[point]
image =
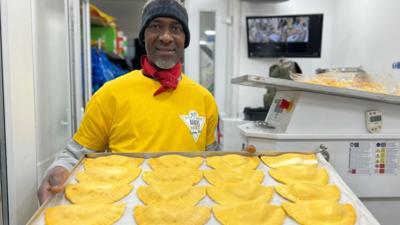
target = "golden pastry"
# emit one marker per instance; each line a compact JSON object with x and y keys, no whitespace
{"x":221,"y":176}
{"x":290,"y":159}
{"x":308,"y":192}
{"x":300,"y":173}
{"x":171,"y":214}
{"x":175,"y":161}
{"x":109,"y":175}
{"x":105,"y":193}
{"x":168,"y":175}
{"x":84,"y":214}
{"x":174,"y":193}
{"x":321,"y":213}
{"x":239,"y":193}
{"x":112,"y":160}
{"x":253,"y":213}
{"x":233,"y":161}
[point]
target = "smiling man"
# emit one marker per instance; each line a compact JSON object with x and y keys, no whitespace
{"x":164,"y":42}
{"x":157,"y":108}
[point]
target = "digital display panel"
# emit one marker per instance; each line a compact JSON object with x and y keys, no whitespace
{"x":375,"y":118}
{"x":284,"y":36}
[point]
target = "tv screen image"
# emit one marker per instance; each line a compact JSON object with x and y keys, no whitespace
{"x":285,"y":29}
{"x":284,"y":36}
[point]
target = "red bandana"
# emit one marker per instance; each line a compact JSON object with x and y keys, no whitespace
{"x":167,"y":78}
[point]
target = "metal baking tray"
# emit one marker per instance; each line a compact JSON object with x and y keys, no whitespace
{"x":288,"y":85}
{"x":364,"y":217}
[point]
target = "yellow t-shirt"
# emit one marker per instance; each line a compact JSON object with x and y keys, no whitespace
{"x":124,"y":116}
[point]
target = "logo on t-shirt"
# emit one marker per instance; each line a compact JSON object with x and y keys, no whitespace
{"x":195,"y":123}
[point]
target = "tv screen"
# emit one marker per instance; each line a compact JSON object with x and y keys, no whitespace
{"x":284,"y":36}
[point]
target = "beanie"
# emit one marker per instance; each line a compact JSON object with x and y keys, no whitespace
{"x":164,"y":8}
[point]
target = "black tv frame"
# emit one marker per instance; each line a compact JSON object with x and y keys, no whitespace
{"x":286,"y":49}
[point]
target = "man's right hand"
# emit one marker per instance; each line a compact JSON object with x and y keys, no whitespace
{"x":250,"y":149}
{"x":53,"y":183}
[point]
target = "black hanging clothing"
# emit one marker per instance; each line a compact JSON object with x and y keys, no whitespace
{"x":139,"y":51}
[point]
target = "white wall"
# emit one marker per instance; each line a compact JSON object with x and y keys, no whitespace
{"x":36,"y":95}
{"x":308,"y":65}
{"x":355,"y":33}
{"x":366,"y":33}
{"x":52,"y":84}
{"x":385,"y":210}
{"x":248,"y":96}
{"x":192,"y":53}
{"x":19,"y":108}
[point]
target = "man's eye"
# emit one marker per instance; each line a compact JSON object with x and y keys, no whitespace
{"x":177,"y":29}
{"x":154,"y":27}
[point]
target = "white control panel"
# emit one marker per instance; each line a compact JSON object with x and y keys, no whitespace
{"x":374,"y":121}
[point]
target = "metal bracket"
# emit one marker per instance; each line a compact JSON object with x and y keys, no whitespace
{"x":264,"y":125}
{"x":324,"y":151}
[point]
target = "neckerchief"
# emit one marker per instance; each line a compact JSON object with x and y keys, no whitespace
{"x":168,"y":78}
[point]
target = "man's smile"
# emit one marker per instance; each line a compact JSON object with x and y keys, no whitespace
{"x":165,"y":51}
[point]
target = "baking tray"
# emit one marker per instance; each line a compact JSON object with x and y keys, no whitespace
{"x":364,"y":217}
{"x":289,"y":85}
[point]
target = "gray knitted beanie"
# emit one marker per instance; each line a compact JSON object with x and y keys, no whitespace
{"x":164,"y":8}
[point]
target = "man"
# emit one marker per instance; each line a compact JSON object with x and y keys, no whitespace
{"x":155,"y":109}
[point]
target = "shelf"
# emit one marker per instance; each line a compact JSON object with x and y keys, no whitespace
{"x":288,"y":85}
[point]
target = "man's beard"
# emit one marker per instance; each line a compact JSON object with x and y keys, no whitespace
{"x":165,"y":64}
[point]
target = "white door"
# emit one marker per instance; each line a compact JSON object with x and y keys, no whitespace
{"x":39,"y":93}
{"x":52,"y":79}
{"x":197,"y":10}
{"x":3,"y":165}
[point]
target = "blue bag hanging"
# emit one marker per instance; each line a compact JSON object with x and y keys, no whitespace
{"x":102,"y":69}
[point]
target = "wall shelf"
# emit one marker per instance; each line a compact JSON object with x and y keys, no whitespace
{"x":288,"y":85}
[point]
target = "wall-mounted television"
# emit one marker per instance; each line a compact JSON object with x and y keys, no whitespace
{"x":284,"y":36}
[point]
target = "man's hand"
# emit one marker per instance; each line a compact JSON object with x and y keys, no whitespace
{"x":250,"y":149}
{"x":53,"y":183}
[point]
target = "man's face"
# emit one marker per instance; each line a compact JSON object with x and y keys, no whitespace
{"x":164,"y":40}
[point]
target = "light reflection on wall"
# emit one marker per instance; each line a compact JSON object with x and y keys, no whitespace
{"x":207,"y":50}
